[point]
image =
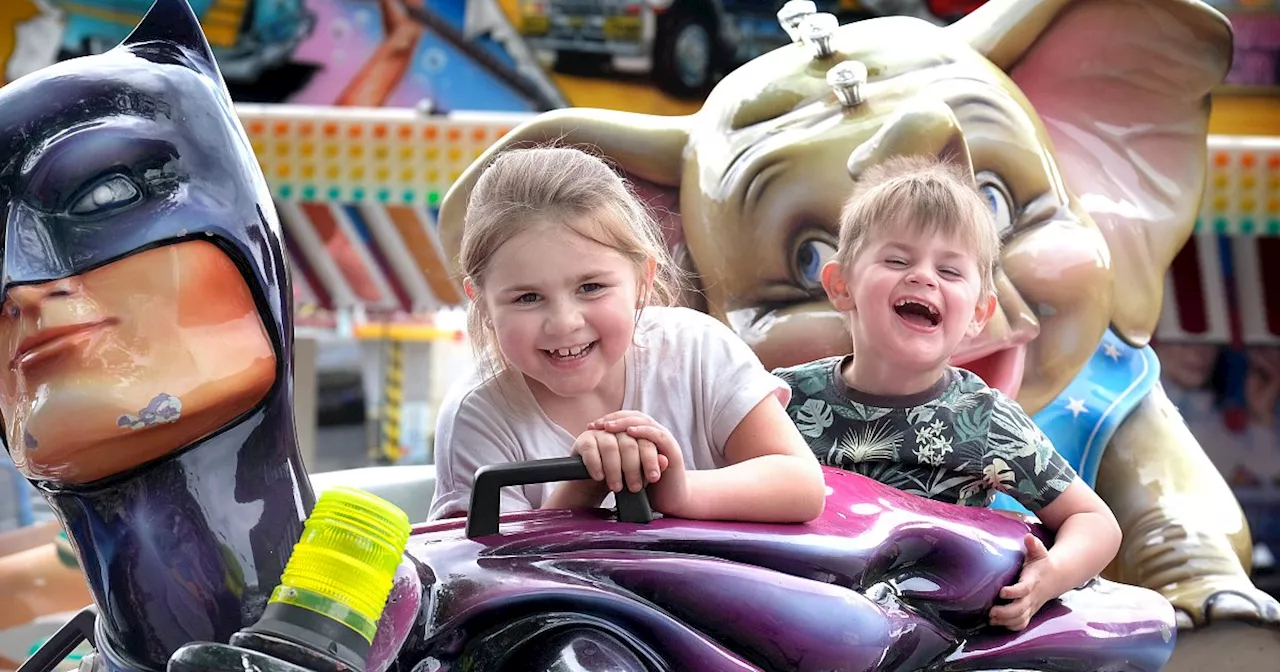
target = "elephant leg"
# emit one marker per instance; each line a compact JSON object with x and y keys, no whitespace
{"x":1184,"y":533}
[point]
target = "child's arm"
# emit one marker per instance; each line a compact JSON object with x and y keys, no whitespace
{"x":1087,"y":538}
{"x":771,"y":475}
{"x":1086,"y":535}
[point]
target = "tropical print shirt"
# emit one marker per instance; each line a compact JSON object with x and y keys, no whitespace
{"x":959,"y":441}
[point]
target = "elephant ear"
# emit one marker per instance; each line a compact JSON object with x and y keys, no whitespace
{"x":1122,"y":87}
{"x":647,"y":149}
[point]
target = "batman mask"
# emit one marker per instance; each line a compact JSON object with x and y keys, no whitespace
{"x":108,"y":157}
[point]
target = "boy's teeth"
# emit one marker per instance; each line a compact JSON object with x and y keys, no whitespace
{"x":907,"y":302}
{"x":569,"y":352}
{"x":925,"y":311}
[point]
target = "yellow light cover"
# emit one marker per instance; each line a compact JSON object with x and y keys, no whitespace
{"x":344,"y":563}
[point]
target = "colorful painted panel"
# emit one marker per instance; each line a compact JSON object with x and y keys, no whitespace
{"x":367,"y":156}
{"x":1243,"y":190}
{"x":443,"y":55}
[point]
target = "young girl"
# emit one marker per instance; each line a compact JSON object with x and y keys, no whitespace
{"x":580,"y":353}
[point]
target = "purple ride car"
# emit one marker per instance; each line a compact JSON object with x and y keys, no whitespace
{"x":882,"y":580}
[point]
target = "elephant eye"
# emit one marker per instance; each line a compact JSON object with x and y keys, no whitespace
{"x":810,"y":255}
{"x":112,"y":193}
{"x":997,"y":196}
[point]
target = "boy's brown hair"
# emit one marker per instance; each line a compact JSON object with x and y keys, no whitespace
{"x":930,"y":195}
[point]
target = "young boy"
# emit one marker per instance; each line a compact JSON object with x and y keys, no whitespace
{"x":913,"y":276}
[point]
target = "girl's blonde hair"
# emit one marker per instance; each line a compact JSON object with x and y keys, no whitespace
{"x":924,"y":194}
{"x":525,"y":188}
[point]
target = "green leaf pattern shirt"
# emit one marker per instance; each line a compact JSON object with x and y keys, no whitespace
{"x":959,"y":442}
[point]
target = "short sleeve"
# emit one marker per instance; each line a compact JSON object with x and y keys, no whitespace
{"x":1020,"y":460}
{"x":734,"y":379}
{"x":471,"y":433}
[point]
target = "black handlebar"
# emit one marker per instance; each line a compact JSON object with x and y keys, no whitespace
{"x":79,"y":629}
{"x":486,"y":493}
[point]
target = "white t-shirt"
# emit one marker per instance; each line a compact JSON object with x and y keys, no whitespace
{"x":687,"y":371}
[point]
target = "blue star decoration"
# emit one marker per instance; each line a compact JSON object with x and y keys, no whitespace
{"x":1084,"y":416}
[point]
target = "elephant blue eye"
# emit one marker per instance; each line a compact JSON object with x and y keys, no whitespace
{"x":998,"y":200}
{"x":811,"y":254}
{"x":110,"y":194}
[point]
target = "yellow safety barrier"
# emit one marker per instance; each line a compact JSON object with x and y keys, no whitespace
{"x":388,"y":447}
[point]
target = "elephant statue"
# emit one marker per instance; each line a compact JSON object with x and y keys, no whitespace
{"x":1084,"y":123}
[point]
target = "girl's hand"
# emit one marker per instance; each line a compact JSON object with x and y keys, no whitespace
{"x":618,"y":459}
{"x":670,"y":495}
{"x":619,"y":421}
{"x":1028,"y":593}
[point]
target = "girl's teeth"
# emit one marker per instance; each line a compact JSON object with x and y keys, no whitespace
{"x":570,"y":352}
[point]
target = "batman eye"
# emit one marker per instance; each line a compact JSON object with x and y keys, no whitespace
{"x":110,"y":194}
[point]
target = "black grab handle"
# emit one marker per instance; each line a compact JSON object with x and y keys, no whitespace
{"x":486,"y":493}
{"x":79,"y":629}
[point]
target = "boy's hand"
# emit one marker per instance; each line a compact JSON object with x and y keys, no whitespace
{"x":1028,"y":593}
{"x":670,"y":494}
{"x":618,"y":459}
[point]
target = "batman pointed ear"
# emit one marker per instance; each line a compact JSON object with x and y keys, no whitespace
{"x":1122,"y":87}
{"x":173,"y":23}
{"x":647,"y":149}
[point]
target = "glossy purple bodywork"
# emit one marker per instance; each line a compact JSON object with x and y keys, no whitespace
{"x":404,"y":607}
{"x":882,"y":581}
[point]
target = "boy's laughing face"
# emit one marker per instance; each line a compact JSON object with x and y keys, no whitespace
{"x":912,"y":299}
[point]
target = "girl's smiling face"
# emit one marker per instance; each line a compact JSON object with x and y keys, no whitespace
{"x":563,"y":308}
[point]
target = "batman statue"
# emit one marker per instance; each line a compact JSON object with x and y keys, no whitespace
{"x":146,"y":316}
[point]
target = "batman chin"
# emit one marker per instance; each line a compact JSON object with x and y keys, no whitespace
{"x":147,"y":320}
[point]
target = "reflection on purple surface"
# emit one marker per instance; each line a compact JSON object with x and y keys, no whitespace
{"x":882,"y":581}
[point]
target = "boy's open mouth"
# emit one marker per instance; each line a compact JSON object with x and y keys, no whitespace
{"x":571,"y":353}
{"x":918,"y":313}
